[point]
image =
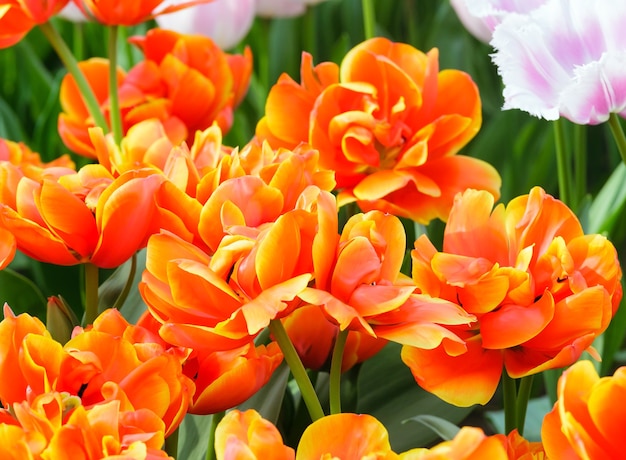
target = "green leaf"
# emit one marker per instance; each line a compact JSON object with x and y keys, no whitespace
{"x":22,"y":295}
{"x":193,"y":437}
{"x":388,"y":391}
{"x":607,"y":207}
{"x":445,"y":429}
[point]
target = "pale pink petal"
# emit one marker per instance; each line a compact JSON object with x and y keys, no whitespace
{"x":563,"y":59}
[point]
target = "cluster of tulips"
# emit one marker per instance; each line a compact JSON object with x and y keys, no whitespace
{"x":291,"y":248}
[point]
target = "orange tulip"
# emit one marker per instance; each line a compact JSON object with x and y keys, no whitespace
{"x":115,"y":361}
{"x":106,"y":431}
{"x":353,"y":436}
{"x":18,"y":17}
{"x":86,"y":216}
{"x":390,"y":126}
{"x":185,"y":82}
{"x":540,"y":289}
{"x":112,"y":12}
{"x":588,"y":418}
{"x":362,"y":289}
{"x":13,"y":330}
{"x":225,"y":379}
{"x":199,"y":82}
{"x":246,"y":435}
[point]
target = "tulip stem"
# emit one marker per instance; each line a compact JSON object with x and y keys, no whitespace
{"x":523,"y":396}
{"x":580,"y":162}
{"x":618,"y":135}
{"x":335,"y":372}
{"x":171,"y":444}
{"x":69,"y":61}
{"x":114,"y":100}
{"x":91,"y":293}
{"x":509,"y":393}
{"x":210,"y":448}
{"x":369,"y":18}
{"x":297,"y":369}
{"x":562,"y":163}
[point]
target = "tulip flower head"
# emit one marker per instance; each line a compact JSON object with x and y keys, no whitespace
{"x":18,"y":17}
{"x":540,"y":289}
{"x":389,"y":123}
{"x":226,"y":22}
{"x":566,"y":59}
{"x":587,"y":416}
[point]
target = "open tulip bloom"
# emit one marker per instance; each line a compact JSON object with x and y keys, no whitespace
{"x":290,"y":249}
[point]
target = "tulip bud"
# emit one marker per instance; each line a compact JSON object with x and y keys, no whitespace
{"x":60,"y":319}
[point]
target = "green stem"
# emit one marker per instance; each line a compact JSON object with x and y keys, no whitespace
{"x":618,"y":135}
{"x":71,"y":65}
{"x":210,"y":448}
{"x":509,"y":393}
{"x":523,"y":396}
{"x":114,"y":100}
{"x":78,"y":41}
{"x":297,"y":369}
{"x":171,"y":444}
{"x":562,"y":163}
{"x":369,"y":18}
{"x":335,"y":372}
{"x":91,"y":293}
{"x":580,"y":162}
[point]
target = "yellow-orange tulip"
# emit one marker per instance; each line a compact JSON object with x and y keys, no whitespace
{"x":389,"y":123}
{"x":248,"y":436}
{"x":345,"y":436}
{"x":588,"y":418}
{"x":540,"y":289}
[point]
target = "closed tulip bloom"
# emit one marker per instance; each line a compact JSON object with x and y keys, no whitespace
{"x":226,"y":22}
{"x":564,"y":59}
{"x":390,"y":124}
{"x":587,"y":418}
{"x":540,"y":289}
{"x":247,"y":435}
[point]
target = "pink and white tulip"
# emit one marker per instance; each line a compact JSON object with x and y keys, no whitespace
{"x":566,"y":58}
{"x":226,"y":22}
